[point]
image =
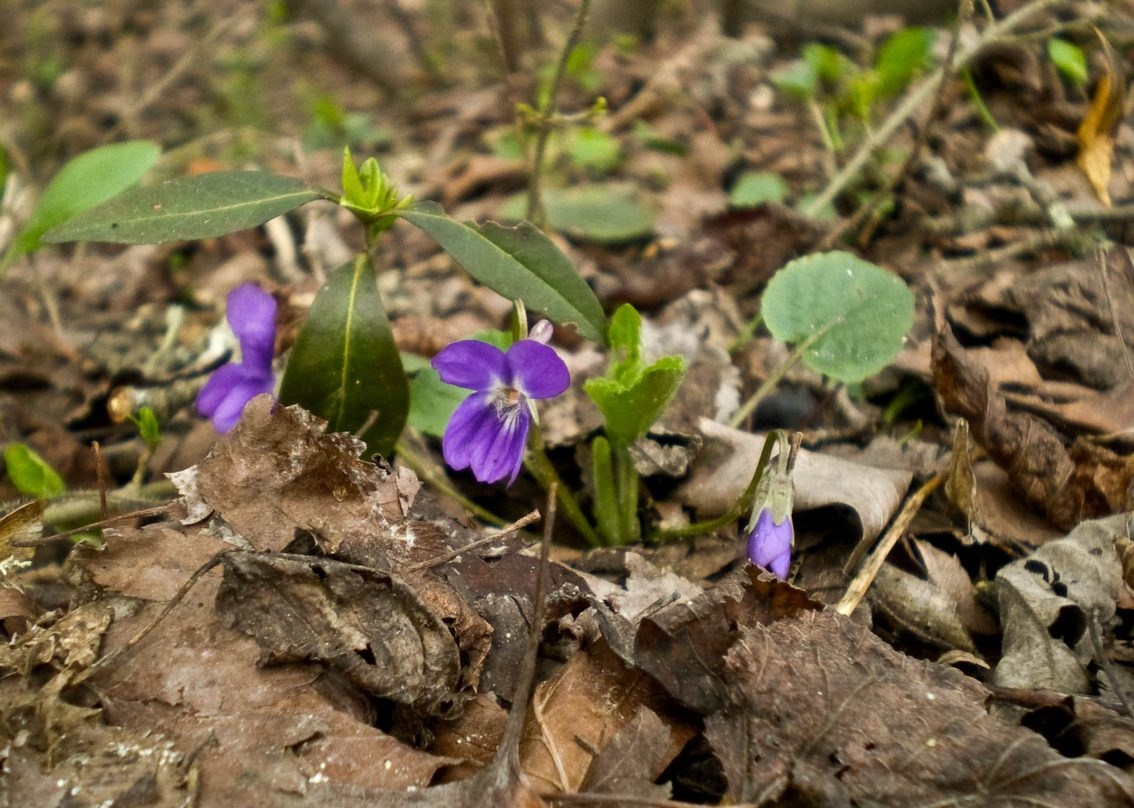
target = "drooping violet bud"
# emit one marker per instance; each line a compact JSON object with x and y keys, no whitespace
{"x":771,"y":533}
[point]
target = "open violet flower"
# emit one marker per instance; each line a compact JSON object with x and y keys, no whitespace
{"x":252,"y":315}
{"x":489,"y":430}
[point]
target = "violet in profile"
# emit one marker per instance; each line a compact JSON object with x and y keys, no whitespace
{"x":252,"y":316}
{"x":489,"y":430}
{"x":771,"y":533}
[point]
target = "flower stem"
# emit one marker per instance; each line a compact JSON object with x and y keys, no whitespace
{"x":742,"y":504}
{"x":541,"y":467}
{"x":774,"y":379}
{"x":441,"y":483}
{"x":545,"y":115}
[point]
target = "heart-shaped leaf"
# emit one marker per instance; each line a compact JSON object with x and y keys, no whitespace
{"x":345,"y":366}
{"x":31,"y":474}
{"x":205,"y":206}
{"x":857,"y":313}
{"x":86,"y":181}
{"x":520,"y":263}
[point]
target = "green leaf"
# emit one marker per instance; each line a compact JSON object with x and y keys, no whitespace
{"x":756,"y":187}
{"x":629,"y":411}
{"x":148,"y":427}
{"x":205,"y":206}
{"x":1069,"y":59}
{"x":345,"y":365}
{"x":519,"y":263}
{"x":625,"y":345}
{"x":611,"y":213}
{"x":31,"y":474}
{"x":86,"y":181}
{"x":594,"y":149}
{"x":857,"y":313}
{"x":432,"y":402}
{"x":903,"y":55}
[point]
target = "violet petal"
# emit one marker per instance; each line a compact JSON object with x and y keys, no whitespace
{"x":471,"y":363}
{"x":769,"y":544}
{"x":536,"y":370}
{"x":252,"y":316}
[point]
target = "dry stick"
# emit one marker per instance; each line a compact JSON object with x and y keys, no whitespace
{"x":111,"y":520}
{"x":519,"y":524}
{"x":915,"y":98}
{"x":964,"y":12}
{"x":1100,"y":256}
{"x":869,"y":570}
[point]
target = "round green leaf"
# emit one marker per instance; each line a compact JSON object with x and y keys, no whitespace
{"x":345,"y":366}
{"x":858,"y":313}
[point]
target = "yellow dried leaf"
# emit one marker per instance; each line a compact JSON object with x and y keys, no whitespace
{"x":1096,"y":132}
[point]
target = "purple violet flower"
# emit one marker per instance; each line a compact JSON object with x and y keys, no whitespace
{"x":252,"y":315}
{"x":489,"y":430}
{"x":769,"y":543}
{"x":770,"y":530}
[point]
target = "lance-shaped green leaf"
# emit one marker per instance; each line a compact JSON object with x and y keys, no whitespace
{"x":856,"y":313}
{"x":205,"y":206}
{"x":345,"y":366}
{"x":520,"y":263}
{"x":86,"y":181}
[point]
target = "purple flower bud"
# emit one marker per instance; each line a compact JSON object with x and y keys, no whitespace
{"x":769,"y":544}
{"x":489,"y":430}
{"x":252,"y":316}
{"x":770,"y":531}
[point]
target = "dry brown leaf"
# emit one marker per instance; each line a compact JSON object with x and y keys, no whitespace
{"x":728,"y":459}
{"x":822,"y":712}
{"x":1096,"y":132}
{"x":1046,"y":601}
{"x":1068,"y":484}
{"x":580,"y":711}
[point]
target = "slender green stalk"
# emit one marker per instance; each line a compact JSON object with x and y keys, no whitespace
{"x":606,"y":492}
{"x":742,"y":505}
{"x":774,"y":379}
{"x":541,"y":467}
{"x":441,"y":483}
{"x":546,"y":113}
{"x":626,"y":483}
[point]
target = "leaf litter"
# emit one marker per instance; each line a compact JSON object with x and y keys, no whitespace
{"x":356,"y":641}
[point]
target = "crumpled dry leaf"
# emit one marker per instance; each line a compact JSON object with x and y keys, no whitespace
{"x":372,"y":626}
{"x":821,"y":712}
{"x":682,"y":644}
{"x":1068,"y":484}
{"x":278,"y":471}
{"x":580,"y":710}
{"x":724,"y":467}
{"x":262,"y":736}
{"x":1046,"y":601}
{"x":1096,"y":132}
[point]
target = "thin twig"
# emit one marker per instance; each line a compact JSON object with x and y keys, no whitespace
{"x":869,"y":570}
{"x":518,"y":525}
{"x":915,"y":98}
{"x":965,"y":12}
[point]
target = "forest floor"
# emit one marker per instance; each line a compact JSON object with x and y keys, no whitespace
{"x":288,"y":623}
